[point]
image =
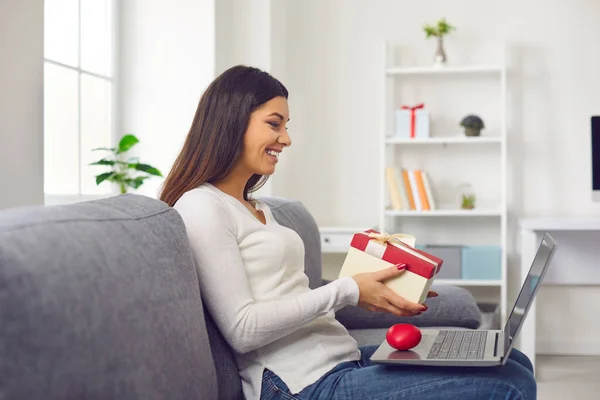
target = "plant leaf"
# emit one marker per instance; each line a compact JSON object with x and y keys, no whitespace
{"x":104,"y":161}
{"x":102,"y":177}
{"x":119,"y":177}
{"x":126,"y":143}
{"x":136,"y":182}
{"x":147,"y":168}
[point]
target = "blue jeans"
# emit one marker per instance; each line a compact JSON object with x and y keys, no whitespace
{"x":363,"y":380}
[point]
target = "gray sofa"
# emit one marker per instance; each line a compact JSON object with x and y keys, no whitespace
{"x":100,"y":300}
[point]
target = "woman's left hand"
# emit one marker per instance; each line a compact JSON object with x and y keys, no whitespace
{"x":432,"y":293}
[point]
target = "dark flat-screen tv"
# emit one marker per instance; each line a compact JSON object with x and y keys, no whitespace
{"x":596,"y":158}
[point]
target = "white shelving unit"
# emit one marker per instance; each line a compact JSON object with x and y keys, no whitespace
{"x":466,"y":69}
{"x":450,"y":212}
{"x":446,"y":140}
{"x":446,"y":220}
{"x":467,"y":282}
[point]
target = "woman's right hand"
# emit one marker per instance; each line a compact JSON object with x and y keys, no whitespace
{"x":375,"y":296}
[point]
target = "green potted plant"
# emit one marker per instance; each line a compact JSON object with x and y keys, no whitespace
{"x":439,"y":30}
{"x":468,"y":201}
{"x":472,"y":124}
{"x":124,"y":172}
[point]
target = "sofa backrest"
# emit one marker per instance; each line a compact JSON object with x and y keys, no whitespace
{"x":100,"y":300}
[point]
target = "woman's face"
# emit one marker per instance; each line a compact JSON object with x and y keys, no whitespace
{"x":266,"y":137}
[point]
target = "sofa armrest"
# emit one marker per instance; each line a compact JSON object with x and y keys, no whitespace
{"x":454,"y":307}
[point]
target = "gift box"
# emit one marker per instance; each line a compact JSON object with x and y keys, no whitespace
{"x":372,"y":251}
{"x":412,"y":122}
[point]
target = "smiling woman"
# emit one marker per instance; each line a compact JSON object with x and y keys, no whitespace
{"x":285,"y":338}
{"x":236,"y":135}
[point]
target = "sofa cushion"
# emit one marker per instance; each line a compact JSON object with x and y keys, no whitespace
{"x":100,"y":300}
{"x":455,"y":306}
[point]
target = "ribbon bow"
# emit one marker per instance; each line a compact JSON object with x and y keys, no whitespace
{"x":385,"y":237}
{"x":418,"y":106}
{"x":413,"y":116}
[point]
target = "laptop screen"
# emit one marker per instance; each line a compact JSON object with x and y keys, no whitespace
{"x":528,"y":290}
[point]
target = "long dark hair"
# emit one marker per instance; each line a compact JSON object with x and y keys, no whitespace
{"x":216,"y":138}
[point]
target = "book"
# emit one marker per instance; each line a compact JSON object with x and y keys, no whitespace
{"x":409,"y":189}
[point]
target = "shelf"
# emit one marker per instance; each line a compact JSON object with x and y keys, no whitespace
{"x":446,"y":140}
{"x":341,"y":229}
{"x":335,"y":249}
{"x":431,"y":70}
{"x":467,"y":282}
{"x":445,"y":213}
{"x":561,"y":223}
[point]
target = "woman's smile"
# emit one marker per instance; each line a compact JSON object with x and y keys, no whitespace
{"x":273,"y":155}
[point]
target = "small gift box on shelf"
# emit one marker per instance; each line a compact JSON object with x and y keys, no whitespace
{"x":412,"y":122}
{"x":372,"y":251}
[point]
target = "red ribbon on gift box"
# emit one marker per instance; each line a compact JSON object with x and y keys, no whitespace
{"x":398,"y":252}
{"x":413,"y":116}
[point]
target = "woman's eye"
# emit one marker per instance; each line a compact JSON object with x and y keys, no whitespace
{"x":274,"y":124}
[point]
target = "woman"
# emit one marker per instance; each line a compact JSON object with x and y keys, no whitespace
{"x":285,"y":337}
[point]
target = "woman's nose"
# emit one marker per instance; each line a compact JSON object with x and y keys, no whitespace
{"x":285,"y":139}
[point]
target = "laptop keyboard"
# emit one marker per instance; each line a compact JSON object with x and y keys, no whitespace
{"x":458,"y":344}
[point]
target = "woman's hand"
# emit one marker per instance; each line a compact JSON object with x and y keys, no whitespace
{"x":375,"y":296}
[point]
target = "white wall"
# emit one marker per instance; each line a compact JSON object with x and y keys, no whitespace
{"x":243,"y":33}
{"x":333,"y":69}
{"x":21,"y":103}
{"x":252,"y":32}
{"x":166,"y":61}
{"x":334,"y":73}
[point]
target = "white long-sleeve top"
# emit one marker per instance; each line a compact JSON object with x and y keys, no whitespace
{"x":253,"y":283}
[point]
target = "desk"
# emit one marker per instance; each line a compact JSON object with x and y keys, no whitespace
{"x":531,"y":231}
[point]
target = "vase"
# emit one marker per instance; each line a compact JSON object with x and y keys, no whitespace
{"x":470,"y":131}
{"x":440,"y":54}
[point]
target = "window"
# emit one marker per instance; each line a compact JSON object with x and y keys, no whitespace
{"x":78,"y":94}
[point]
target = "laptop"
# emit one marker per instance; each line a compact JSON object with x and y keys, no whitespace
{"x":474,"y":348}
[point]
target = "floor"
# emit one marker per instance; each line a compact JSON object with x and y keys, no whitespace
{"x":568,"y":377}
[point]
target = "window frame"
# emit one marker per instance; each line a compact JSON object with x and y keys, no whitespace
{"x":113,"y":79}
